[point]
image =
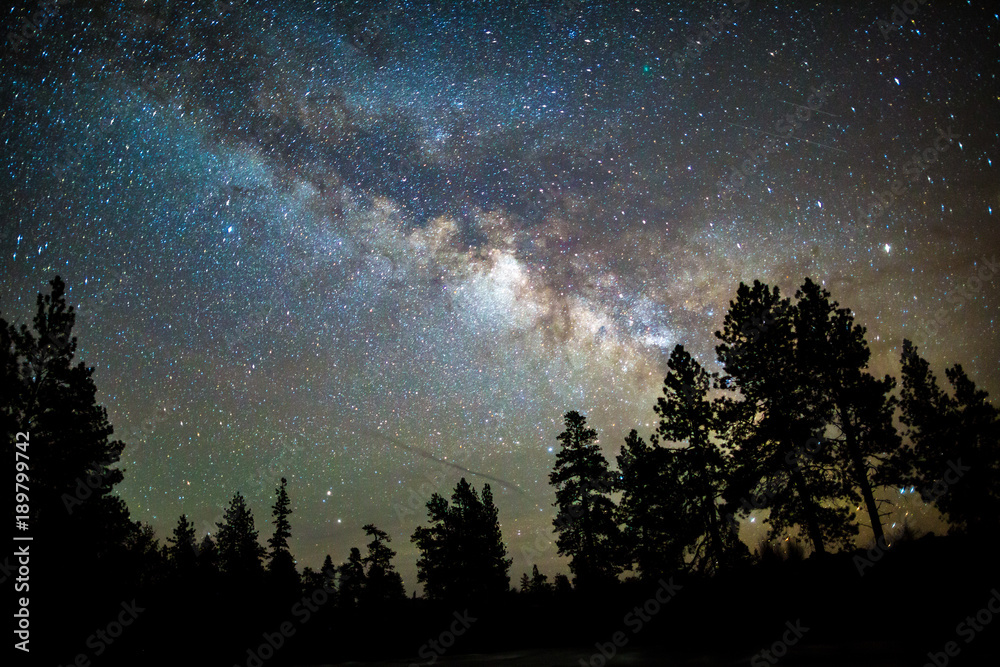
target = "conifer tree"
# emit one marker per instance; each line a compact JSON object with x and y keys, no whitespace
{"x":352,"y":580}
{"x":183,"y":549}
{"x":699,"y":466}
{"x":382,"y":583}
{"x":776,"y":420}
{"x":72,"y":466}
{"x":955,"y":459}
{"x":462,"y":554}
{"x":240,"y":554}
{"x":539,"y":582}
{"x":208,"y":556}
{"x":281,"y":565}
{"x":651,"y":497}
{"x":585,"y":523}
{"x":831,"y":356}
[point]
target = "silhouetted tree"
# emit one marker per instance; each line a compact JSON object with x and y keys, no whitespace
{"x":561,"y":585}
{"x":496,"y":565}
{"x":436,"y":544}
{"x":955,"y":460}
{"x":525,"y":583}
{"x":539,"y":582}
{"x":775,"y":420}
{"x":699,"y":467}
{"x":183,"y":550}
{"x":72,"y":465}
{"x":652,"y":537}
{"x":281,"y":565}
{"x":240,"y":554}
{"x":462,"y":555}
{"x":208,"y":556}
{"x":382,"y":582}
{"x":584,"y":521}
{"x":352,"y":579}
{"x":325,"y":578}
{"x":329,"y":571}
{"x":831,"y":357}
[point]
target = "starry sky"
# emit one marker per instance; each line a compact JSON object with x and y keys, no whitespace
{"x":376,"y":247}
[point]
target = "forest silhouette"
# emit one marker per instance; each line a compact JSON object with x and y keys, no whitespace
{"x":794,"y":427}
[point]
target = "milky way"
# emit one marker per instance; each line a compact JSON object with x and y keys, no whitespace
{"x":376,"y":248}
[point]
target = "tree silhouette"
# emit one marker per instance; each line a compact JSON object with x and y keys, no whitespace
{"x":775,"y":421}
{"x":436,"y":544}
{"x":240,"y":554}
{"x":699,"y":467}
{"x":72,"y":465}
{"x":539,"y":582}
{"x":832,"y":355}
{"x":183,"y":550}
{"x":585,"y":516}
{"x":281,"y":565}
{"x":352,"y":579}
{"x":525,"y":583}
{"x":462,"y":554}
{"x":652,"y":533}
{"x":955,"y":460}
{"x":208,"y":556}
{"x":382,"y":582}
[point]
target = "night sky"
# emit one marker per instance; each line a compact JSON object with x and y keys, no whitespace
{"x":376,"y":248}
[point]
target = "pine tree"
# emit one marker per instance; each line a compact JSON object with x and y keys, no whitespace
{"x":208,"y":556}
{"x":72,"y":458}
{"x":585,"y":516}
{"x":438,"y":550}
{"x":352,"y":580}
{"x":382,"y":583}
{"x":183,"y":549}
{"x":832,"y":354}
{"x":699,"y":467}
{"x":240,"y":554}
{"x":652,"y":535}
{"x":281,"y":565}
{"x":539,"y":582}
{"x":329,"y":572}
{"x":775,"y":420}
{"x":462,"y":554}
{"x":955,"y":460}
{"x":525,"y":583}
{"x":495,"y":578}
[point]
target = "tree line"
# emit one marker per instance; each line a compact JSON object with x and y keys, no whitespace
{"x":794,"y":424}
